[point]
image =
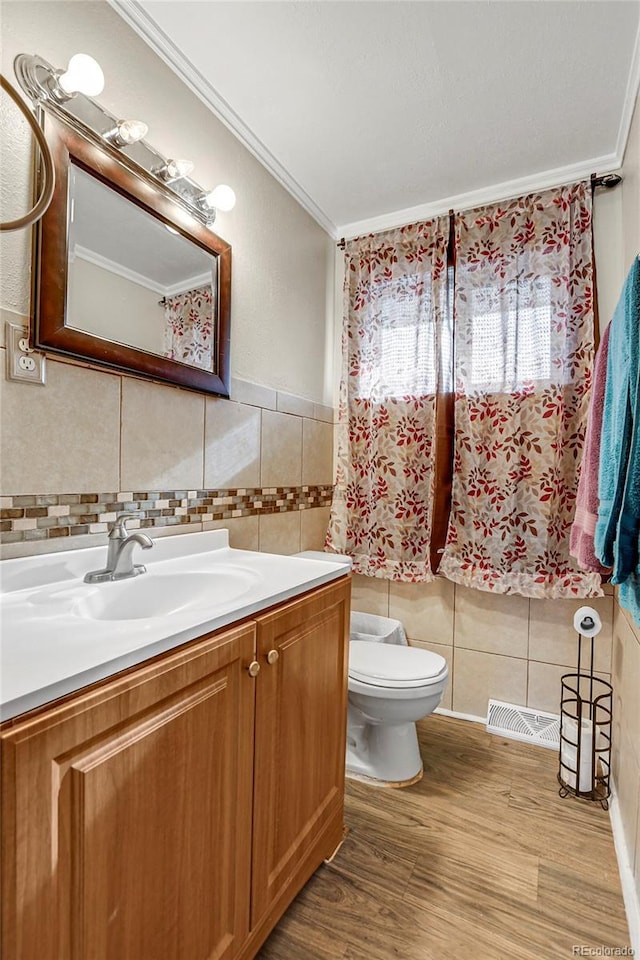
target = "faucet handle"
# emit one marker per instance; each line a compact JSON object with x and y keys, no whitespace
{"x":118,"y":529}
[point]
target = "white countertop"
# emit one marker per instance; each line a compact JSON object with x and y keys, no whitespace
{"x":51,"y":644}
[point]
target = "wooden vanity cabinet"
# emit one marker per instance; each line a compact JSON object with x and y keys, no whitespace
{"x":126,"y":824}
{"x":173,"y":812}
{"x":301,"y":711}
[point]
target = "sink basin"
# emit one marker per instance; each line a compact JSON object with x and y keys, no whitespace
{"x":59,"y":634}
{"x":159,"y":595}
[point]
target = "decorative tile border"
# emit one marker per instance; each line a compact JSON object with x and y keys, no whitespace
{"x":47,"y":516}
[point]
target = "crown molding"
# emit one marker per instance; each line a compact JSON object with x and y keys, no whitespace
{"x":111,"y":266}
{"x":191,"y":283}
{"x":138,"y":19}
{"x":91,"y":256}
{"x":491,"y":194}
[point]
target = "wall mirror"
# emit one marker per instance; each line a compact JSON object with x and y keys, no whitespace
{"x":125,"y":277}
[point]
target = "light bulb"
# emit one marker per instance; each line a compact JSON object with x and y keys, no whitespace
{"x":126,"y":132}
{"x":174,"y":170}
{"x":222,"y":198}
{"x":132,"y":130}
{"x":83,"y":75}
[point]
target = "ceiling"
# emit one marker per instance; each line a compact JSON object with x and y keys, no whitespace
{"x":371,"y":112}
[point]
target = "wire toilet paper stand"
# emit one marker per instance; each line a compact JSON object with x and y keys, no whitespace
{"x":586,"y":713}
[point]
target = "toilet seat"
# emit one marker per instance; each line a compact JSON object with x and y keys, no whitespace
{"x":392,"y":666}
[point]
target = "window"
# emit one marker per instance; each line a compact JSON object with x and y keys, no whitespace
{"x":401,"y":359}
{"x":511,"y":336}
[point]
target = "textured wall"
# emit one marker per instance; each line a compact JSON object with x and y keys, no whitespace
{"x":15,"y":197}
{"x":631,"y":193}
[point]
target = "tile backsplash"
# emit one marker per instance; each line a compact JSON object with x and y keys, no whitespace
{"x":94,"y":443}
{"x":51,"y":516}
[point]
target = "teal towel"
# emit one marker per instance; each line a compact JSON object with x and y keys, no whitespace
{"x":616,"y":536}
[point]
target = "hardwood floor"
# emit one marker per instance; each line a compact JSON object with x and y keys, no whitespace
{"x":481,"y":859}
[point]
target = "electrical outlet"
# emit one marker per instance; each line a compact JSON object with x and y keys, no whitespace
{"x":27,"y":364}
{"x":23,"y":362}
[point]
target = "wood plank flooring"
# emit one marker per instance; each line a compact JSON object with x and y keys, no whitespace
{"x":481,"y":859}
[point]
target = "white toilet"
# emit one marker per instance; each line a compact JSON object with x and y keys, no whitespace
{"x":390,"y":688}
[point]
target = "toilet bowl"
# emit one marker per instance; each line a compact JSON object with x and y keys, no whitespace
{"x":390,"y":688}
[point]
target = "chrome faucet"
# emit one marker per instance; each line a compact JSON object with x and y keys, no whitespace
{"x":120,"y":565}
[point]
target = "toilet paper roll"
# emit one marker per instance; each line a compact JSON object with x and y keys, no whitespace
{"x":587,"y":622}
{"x":569,"y":754}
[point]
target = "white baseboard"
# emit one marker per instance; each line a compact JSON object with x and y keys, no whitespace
{"x":631,"y":900}
{"x":461,"y":716}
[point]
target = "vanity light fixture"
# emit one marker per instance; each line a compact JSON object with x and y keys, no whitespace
{"x":126,"y":132}
{"x":173,"y":170}
{"x":68,"y":94}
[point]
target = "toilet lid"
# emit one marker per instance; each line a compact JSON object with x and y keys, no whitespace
{"x":390,"y":665}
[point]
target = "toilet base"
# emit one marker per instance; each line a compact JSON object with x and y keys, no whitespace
{"x":389,"y":784}
{"x":382,"y":753}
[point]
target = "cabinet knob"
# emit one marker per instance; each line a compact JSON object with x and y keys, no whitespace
{"x":253,"y":669}
{"x":272,"y":656}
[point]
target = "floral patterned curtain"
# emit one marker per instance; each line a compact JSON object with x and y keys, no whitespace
{"x":524,"y":348}
{"x":395,"y":312}
{"x":188,"y":327}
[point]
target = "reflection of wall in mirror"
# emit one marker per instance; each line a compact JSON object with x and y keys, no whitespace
{"x":102,"y":303}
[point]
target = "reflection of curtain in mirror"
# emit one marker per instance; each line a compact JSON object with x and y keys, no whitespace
{"x":188,"y":327}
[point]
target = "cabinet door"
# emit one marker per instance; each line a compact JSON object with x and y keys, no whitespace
{"x":126,"y":825}
{"x":301,"y":703}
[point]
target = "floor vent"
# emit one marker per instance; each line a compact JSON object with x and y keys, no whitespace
{"x":520,"y":723}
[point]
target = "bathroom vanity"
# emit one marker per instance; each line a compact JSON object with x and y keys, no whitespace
{"x":174,"y":810}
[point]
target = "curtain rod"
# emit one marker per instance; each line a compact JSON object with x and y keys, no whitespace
{"x":608,"y":181}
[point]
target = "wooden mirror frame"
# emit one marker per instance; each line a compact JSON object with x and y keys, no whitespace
{"x":51,"y":264}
